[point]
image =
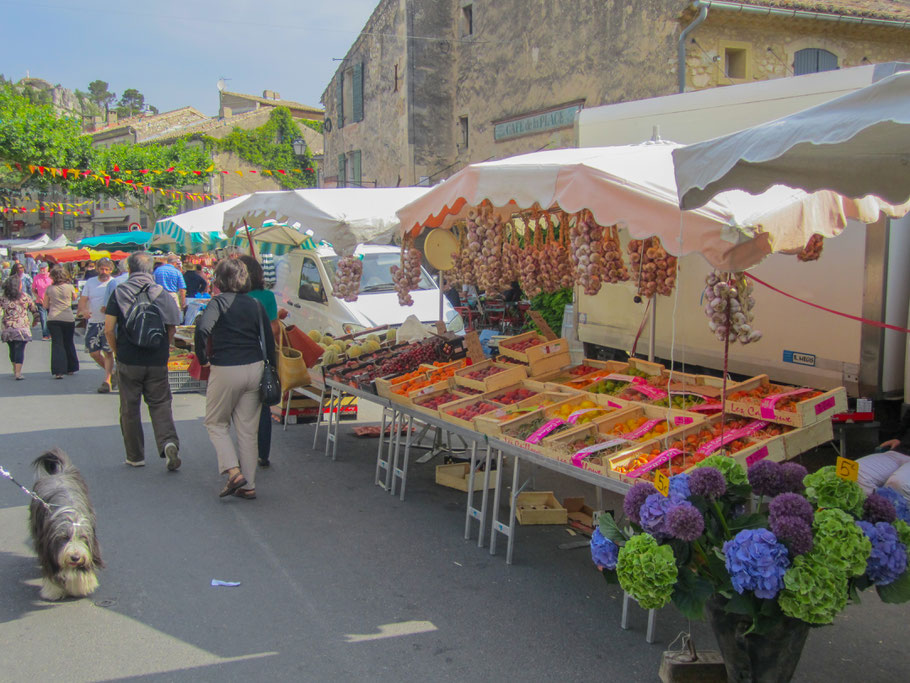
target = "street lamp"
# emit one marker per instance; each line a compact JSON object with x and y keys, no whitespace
{"x":299,"y":146}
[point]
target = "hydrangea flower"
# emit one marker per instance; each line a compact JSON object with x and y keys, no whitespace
{"x":888,"y":559}
{"x":901,"y":507}
{"x":790,"y":505}
{"x":679,"y":486}
{"x":826,"y":490}
{"x":708,"y":482}
{"x":813,"y":591}
{"x":756,"y":561}
{"x":794,"y":532}
{"x":684,"y":522}
{"x":733,"y":472}
{"x":635,"y":498}
{"x":877,"y":508}
{"x":903,"y":532}
{"x":647,"y":571}
{"x":603,"y":551}
{"x":765,"y":478}
{"x":840,"y":543}
{"x":792,"y":475}
{"x":653,"y":513}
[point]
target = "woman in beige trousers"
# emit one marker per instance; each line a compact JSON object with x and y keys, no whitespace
{"x":234,"y":327}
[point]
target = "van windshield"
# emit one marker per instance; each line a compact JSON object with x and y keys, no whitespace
{"x":377,"y":273}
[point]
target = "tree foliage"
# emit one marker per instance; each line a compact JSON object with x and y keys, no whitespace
{"x":271,"y":146}
{"x":100,"y":95}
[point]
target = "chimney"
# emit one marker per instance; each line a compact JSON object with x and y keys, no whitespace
{"x":111,"y":118}
{"x":270,"y":95}
{"x":226,"y":112}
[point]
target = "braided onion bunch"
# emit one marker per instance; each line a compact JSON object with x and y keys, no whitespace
{"x":586,"y":237}
{"x":347,"y":278}
{"x":653,"y":269}
{"x":616,"y":270}
{"x":728,"y":306}
{"x":407,"y":277}
{"x":813,"y":249}
{"x":489,"y":265}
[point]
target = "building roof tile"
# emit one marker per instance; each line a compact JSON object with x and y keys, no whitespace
{"x":898,"y":10}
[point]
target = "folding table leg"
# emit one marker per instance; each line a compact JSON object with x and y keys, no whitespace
{"x":401,"y":472}
{"x":379,"y":460}
{"x":394,"y":438}
{"x":470,"y":513}
{"x":497,"y":527}
{"x":330,"y":419}
{"x":319,"y":417}
{"x":515,"y":491}
{"x":485,"y":496}
{"x":287,"y":408}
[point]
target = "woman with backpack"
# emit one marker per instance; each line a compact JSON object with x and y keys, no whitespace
{"x":61,"y":323}
{"x":239,"y":331}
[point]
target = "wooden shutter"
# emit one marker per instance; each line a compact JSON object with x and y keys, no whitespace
{"x":355,"y":169}
{"x":812,"y":60}
{"x":357,"y":104}
{"x":339,"y":98}
{"x":826,"y":61}
{"x":342,"y":171}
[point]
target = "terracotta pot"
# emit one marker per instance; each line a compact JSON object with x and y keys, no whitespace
{"x":771,"y":657}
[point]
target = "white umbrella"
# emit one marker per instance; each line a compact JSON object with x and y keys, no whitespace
{"x":634,"y":186}
{"x":345,"y":217}
{"x":194,"y":231}
{"x":856,"y":145}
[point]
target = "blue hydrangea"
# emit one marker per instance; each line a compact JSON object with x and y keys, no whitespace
{"x":756,"y":561}
{"x":899,"y":502}
{"x":889,"y":556}
{"x":679,"y":487}
{"x":603,"y":551}
{"x":653,"y":514}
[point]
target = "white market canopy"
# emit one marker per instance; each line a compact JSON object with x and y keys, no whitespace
{"x":856,"y":145}
{"x":345,"y":217}
{"x":633,"y":186}
{"x":194,"y":231}
{"x":27,"y":244}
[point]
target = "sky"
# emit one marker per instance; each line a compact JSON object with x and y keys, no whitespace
{"x":174,"y":51}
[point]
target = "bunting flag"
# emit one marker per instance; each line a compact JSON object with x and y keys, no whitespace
{"x":66,"y":172}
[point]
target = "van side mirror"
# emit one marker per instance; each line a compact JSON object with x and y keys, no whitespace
{"x":308,"y":293}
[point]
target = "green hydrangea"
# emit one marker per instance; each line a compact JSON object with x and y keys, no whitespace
{"x":840,"y":542}
{"x":826,"y":490}
{"x":903,"y":532}
{"x":813,"y":591}
{"x":733,"y":472}
{"x":647,"y":571}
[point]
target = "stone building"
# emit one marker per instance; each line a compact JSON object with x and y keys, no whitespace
{"x":430,"y":86}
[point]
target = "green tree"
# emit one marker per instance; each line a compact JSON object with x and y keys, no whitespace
{"x":100,"y":95}
{"x":131,"y":102}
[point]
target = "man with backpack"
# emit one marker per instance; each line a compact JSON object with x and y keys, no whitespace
{"x":139,"y":323}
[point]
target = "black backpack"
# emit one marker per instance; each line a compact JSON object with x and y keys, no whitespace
{"x":143,"y":324}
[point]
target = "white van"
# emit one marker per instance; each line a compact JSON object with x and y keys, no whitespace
{"x":305,"y":280}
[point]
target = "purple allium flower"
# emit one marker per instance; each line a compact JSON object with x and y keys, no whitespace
{"x":679,"y":486}
{"x":889,"y":556}
{"x":790,"y":505}
{"x":794,"y":532}
{"x":653,"y":514}
{"x":791,"y":476}
{"x":765,"y":478}
{"x":684,"y":522}
{"x":877,"y":508}
{"x":708,"y":482}
{"x":900,"y":503}
{"x":756,"y":561}
{"x":635,"y":498}
{"x":603,"y":551}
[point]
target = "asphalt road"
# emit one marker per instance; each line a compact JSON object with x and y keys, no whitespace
{"x":339,"y":582}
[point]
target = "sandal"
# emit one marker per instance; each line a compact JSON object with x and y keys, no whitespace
{"x":249,"y":494}
{"x":233,"y":484}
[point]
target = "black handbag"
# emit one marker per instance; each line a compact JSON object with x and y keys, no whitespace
{"x":269,"y":384}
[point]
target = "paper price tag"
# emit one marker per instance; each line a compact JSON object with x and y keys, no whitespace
{"x":847,"y":469}
{"x":662,"y":483}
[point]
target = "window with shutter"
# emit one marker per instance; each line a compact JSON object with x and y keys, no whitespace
{"x":339,"y":99}
{"x":813,"y":60}
{"x":342,"y":171}
{"x":357,"y":108}
{"x":356,"y":180}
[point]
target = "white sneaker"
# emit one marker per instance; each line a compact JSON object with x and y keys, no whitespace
{"x":170,"y":452}
{"x":135,"y":463}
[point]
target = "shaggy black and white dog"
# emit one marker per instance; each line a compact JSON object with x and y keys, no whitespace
{"x":63,"y":530}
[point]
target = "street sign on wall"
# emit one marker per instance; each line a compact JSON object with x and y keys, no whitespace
{"x":553,"y":119}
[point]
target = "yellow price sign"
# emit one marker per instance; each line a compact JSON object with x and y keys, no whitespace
{"x":662,"y":483}
{"x":847,"y":469}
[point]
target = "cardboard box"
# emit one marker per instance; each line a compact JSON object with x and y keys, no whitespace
{"x":539,"y":507}
{"x":805,"y":413}
{"x":455,"y":476}
{"x":578,"y":511}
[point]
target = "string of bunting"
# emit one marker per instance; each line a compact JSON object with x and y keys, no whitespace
{"x":67,"y":172}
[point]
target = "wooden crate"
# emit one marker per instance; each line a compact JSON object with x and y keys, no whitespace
{"x":408,"y":399}
{"x":539,"y":351}
{"x":490,"y":423}
{"x":548,"y":364}
{"x":509,"y":375}
{"x":539,"y":507}
{"x":384,"y":384}
{"x":445,"y":412}
{"x":806,"y":413}
{"x":416,"y":402}
{"x":455,"y":476}
{"x":509,"y":427}
{"x":805,"y":438}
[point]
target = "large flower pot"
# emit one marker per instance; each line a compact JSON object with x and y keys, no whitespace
{"x":768,"y":658}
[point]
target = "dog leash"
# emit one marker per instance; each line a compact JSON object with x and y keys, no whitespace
{"x":28,"y":491}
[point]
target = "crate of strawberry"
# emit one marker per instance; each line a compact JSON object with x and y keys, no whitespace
{"x":489,"y":375}
{"x":759,"y":398}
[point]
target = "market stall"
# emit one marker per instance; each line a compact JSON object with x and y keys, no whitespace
{"x":193,"y":232}
{"x":132,"y":240}
{"x":62,"y":255}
